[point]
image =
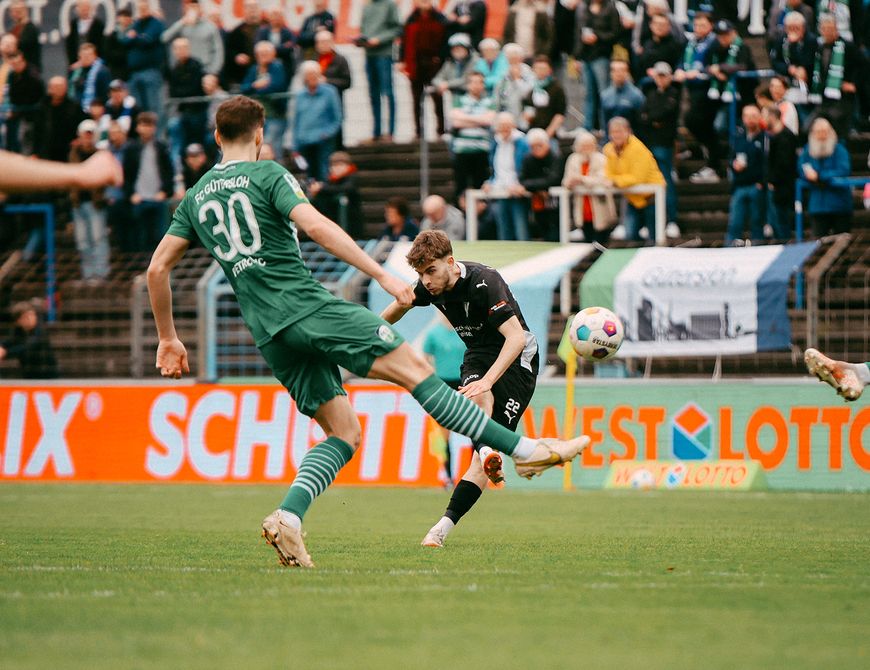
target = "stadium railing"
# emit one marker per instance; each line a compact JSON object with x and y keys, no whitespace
{"x":563,"y":195}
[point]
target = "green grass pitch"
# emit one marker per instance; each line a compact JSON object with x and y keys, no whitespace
{"x":178,"y":577}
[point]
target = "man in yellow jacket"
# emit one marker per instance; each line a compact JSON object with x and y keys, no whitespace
{"x":630,"y":163}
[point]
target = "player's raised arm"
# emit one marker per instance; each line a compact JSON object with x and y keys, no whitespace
{"x":171,"y":354}
{"x":21,"y":174}
{"x":514,"y":343}
{"x":331,"y":237}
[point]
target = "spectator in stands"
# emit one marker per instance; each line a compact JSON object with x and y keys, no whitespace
{"x":284,"y":40}
{"x":25,"y":91}
{"x":630,"y":163}
{"x":747,"y":178}
{"x":338,"y":198}
{"x":469,"y":17}
{"x":148,"y":180}
{"x":701,"y":111}
{"x":622,"y":98}
{"x":26,"y":32}
{"x":658,"y":130}
{"x":822,"y":160}
{"x":114,"y":51}
{"x":96,"y":112}
{"x":89,"y":80}
{"x":492,"y":64}
{"x":380,"y":25}
{"x":187,"y":125}
{"x":8,"y":48}
{"x":541,"y":170}
{"x":335,"y":69}
{"x":832,"y":88}
{"x":145,"y":58}
{"x":510,"y":206}
{"x":661,"y":46}
{"x":727,"y":57}
{"x":266,"y":77}
{"x":777,"y":23}
{"x":453,"y":74}
{"x":794,"y":54}
{"x":121,"y":106}
{"x":58,"y":122}
{"x":594,"y":215}
{"x":89,"y":213}
{"x":546,"y":105}
{"x":206,"y":43}
{"x":529,"y":25}
{"x":85,"y":27}
{"x":211,"y":86}
{"x":317,"y":120}
{"x":240,"y":46}
{"x":641,"y":30}
{"x":195,"y":165}
{"x":30,"y":343}
{"x":321,"y":20}
{"x":597,"y":28}
{"x":779,"y":95}
{"x":564,"y":40}
{"x":518,"y":82}
{"x":438,"y":214}
{"x":117,"y":207}
{"x":780,"y":171}
{"x":471,"y":118}
{"x":424,"y":36}
{"x":400,"y":226}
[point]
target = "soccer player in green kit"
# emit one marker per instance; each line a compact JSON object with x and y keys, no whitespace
{"x":246,"y":213}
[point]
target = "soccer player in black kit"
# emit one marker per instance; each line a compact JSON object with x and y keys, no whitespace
{"x":500,"y":366}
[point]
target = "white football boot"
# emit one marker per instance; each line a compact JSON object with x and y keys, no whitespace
{"x":550,"y":452}
{"x":287,"y":541}
{"x":834,"y":373}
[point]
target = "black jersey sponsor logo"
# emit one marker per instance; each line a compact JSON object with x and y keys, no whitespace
{"x":483,"y":283}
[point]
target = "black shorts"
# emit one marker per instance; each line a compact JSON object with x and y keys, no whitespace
{"x":512,"y":393}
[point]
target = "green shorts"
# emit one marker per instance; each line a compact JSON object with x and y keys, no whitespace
{"x":306,"y":355}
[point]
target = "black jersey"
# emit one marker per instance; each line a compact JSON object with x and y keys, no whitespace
{"x":476,"y":306}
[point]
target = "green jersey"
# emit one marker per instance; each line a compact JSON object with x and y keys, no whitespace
{"x":240,"y":211}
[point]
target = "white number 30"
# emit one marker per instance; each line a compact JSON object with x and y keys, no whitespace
{"x":233,"y":234}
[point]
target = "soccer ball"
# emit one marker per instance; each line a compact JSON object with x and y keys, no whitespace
{"x":596,"y":334}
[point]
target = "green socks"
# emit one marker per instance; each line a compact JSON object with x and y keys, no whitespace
{"x":458,"y":414}
{"x":317,"y":471}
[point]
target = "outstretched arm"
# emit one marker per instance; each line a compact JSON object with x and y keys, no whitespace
{"x":20,"y":174}
{"x":394,"y":311}
{"x":331,"y":237}
{"x":171,"y":354}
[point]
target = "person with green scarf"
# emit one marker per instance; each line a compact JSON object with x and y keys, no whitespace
{"x":832,"y":83}
{"x":727,"y":57}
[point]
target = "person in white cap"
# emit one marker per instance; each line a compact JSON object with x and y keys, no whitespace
{"x":89,"y":211}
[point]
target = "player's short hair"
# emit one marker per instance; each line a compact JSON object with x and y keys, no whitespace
{"x":428,"y":246}
{"x":239,"y":117}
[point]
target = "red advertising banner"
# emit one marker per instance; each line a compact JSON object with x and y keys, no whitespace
{"x":200,"y":433}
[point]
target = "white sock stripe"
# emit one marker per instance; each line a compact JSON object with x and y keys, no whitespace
{"x":324,"y":471}
{"x":441,"y":402}
{"x":305,"y":487}
{"x":334,"y":459}
{"x":467,"y":415}
{"x":477,"y":430}
{"x":308,"y":480}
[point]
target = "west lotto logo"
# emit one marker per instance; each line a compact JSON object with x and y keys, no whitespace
{"x":690,"y":433}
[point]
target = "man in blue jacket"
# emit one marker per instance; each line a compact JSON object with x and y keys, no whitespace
{"x":507,"y":151}
{"x":317,"y":120}
{"x":145,"y":58}
{"x":267,"y":78}
{"x":822,"y":160}
{"x":747,"y":178}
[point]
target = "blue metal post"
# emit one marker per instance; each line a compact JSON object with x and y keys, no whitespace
{"x":47,"y":212}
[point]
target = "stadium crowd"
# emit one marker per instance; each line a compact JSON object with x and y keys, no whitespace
{"x":147,"y":90}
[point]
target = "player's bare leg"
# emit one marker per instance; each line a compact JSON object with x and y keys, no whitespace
{"x":404,"y":367}
{"x":849,"y":379}
{"x":283,"y":528}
